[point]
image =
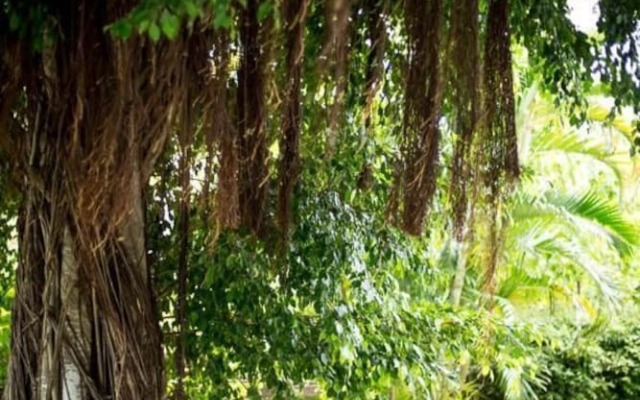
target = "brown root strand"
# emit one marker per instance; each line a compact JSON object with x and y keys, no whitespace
{"x":85,"y":162}
{"x":253,"y":171}
{"x":498,"y":152}
{"x":295,"y":12}
{"x":423,"y":95}
{"x":336,"y":19}
{"x":10,"y":89}
{"x":227,"y":210}
{"x":465,"y":90}
{"x":492,"y":262}
{"x":221,"y":131}
{"x":500,"y":141}
{"x":192,"y":109}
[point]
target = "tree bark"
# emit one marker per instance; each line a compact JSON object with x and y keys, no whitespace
{"x":98,"y":112}
{"x":457,"y":283}
{"x":60,"y":376}
{"x":83,"y":330}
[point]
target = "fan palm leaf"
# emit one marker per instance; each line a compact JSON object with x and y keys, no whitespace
{"x":586,"y":212}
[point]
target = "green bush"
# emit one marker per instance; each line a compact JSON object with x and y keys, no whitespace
{"x":588,"y":366}
{"x":607,"y":368}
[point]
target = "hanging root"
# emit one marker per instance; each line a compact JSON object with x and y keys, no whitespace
{"x":423,"y":96}
{"x":334,"y":57}
{"x":464,"y":83}
{"x":500,"y":141}
{"x":195,"y":100}
{"x":295,"y":12}
{"x":377,"y":11}
{"x":498,"y":152}
{"x":10,"y":88}
{"x":494,"y":240}
{"x":85,"y":163}
{"x":220,"y":131}
{"x":253,"y":171}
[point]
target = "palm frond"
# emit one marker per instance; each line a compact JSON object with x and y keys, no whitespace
{"x":587,"y":213}
{"x":507,"y":308}
{"x":519,"y":287}
{"x":603,"y":275}
{"x":571,"y":143}
{"x":517,"y":384}
{"x":601,"y":213}
{"x":602,"y":114}
{"x":535,"y":225}
{"x":519,"y":280}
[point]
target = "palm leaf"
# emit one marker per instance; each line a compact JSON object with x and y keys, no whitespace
{"x":518,"y":280}
{"x":571,"y":143}
{"x":603,"y":215}
{"x":516,"y":384}
{"x":603,"y":275}
{"x":541,"y":229}
{"x":587,"y":212}
{"x":507,"y":308}
{"x":602,"y":114}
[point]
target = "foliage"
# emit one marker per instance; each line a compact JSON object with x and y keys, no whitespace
{"x":602,"y":367}
{"x":556,"y":219}
{"x":584,"y":363}
{"x":567,"y":58}
{"x":336,"y":294}
{"x":330,"y":309}
{"x":8,"y":257}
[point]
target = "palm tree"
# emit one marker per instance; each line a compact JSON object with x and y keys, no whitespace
{"x":566,"y":219}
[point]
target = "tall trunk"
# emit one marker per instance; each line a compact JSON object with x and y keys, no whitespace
{"x":84,"y":323}
{"x":63,"y":295}
{"x":455,"y":295}
{"x":457,"y":283}
{"x":83,"y":330}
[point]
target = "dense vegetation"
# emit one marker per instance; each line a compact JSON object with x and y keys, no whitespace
{"x":345,"y":199}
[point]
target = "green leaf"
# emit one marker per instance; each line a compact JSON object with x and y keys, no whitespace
{"x":222,"y":19}
{"x":121,"y":29}
{"x":15,"y":21}
{"x":143,"y":26}
{"x":264,"y":10}
{"x":604,"y":213}
{"x":170,"y":25}
{"x":154,"y":32}
{"x":192,"y":10}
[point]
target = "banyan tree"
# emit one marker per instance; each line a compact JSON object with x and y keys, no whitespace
{"x":94,"y":93}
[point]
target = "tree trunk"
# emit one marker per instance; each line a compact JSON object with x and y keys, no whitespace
{"x":62,"y":294}
{"x":457,"y":283}
{"x":455,"y":295}
{"x":84,"y":330}
{"x":98,"y":111}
